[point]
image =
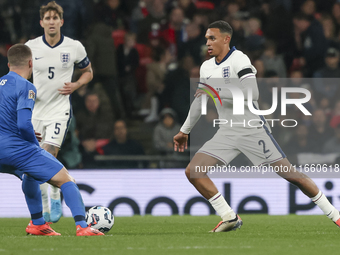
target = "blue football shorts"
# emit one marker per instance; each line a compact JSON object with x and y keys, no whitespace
{"x":22,"y":157}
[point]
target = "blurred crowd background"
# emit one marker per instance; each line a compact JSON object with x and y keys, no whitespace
{"x":144,"y":52}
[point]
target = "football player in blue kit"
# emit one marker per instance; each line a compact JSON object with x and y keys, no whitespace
{"x":20,"y":153}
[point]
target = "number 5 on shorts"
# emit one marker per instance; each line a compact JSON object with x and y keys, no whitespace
{"x":57,"y":128}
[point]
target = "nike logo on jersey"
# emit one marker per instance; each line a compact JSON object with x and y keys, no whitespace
{"x":38,"y":58}
{"x":54,"y":137}
{"x":269,"y":156}
{"x":209,"y":77}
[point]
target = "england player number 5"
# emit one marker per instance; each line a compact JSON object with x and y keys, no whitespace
{"x":51,"y":72}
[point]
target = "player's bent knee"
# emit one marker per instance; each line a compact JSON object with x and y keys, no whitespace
{"x":61,"y":177}
{"x":192,"y":174}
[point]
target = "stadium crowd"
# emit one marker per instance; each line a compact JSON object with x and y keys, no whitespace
{"x":144,"y":52}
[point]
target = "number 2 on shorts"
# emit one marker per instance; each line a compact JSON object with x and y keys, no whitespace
{"x":264,"y":146}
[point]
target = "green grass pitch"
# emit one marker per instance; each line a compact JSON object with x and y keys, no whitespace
{"x":260,"y":234}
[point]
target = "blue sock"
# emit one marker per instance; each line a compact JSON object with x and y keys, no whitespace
{"x":74,"y":201}
{"x":32,"y":192}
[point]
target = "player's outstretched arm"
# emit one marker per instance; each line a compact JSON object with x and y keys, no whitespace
{"x":180,"y":142}
{"x":86,"y":77}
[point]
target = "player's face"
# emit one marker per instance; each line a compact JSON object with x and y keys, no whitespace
{"x":51,"y":23}
{"x":216,"y":41}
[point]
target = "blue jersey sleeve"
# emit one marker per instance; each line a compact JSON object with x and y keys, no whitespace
{"x":26,"y":96}
{"x":25,"y":126}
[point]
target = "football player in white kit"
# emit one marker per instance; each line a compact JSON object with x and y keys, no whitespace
{"x":256,"y":143}
{"x":54,"y":57}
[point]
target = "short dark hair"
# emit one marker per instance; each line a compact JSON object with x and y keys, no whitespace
{"x":223,"y":26}
{"x":19,"y":54}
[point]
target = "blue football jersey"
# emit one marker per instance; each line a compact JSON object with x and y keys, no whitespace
{"x":18,"y":156}
{"x":15,"y":93}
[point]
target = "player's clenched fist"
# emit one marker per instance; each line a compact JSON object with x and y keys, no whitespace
{"x":180,"y":142}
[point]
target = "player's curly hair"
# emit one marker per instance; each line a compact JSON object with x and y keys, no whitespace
{"x":223,"y":26}
{"x":51,"y":6}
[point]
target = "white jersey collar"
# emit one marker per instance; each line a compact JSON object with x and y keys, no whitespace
{"x":226,"y":56}
{"x":60,"y":41}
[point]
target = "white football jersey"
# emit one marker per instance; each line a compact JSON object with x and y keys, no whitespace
{"x":234,"y":68}
{"x":52,"y":67}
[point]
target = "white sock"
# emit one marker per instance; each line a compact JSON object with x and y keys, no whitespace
{"x":328,"y":209}
{"x":221,"y":207}
{"x":55,"y":193}
{"x":44,"y":196}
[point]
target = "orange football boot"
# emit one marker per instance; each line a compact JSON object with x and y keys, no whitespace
{"x":88,"y":231}
{"x":41,"y":230}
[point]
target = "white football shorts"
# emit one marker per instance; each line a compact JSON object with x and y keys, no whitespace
{"x":260,"y":148}
{"x":52,"y":131}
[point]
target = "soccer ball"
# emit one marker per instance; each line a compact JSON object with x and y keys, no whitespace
{"x":100,"y":218}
